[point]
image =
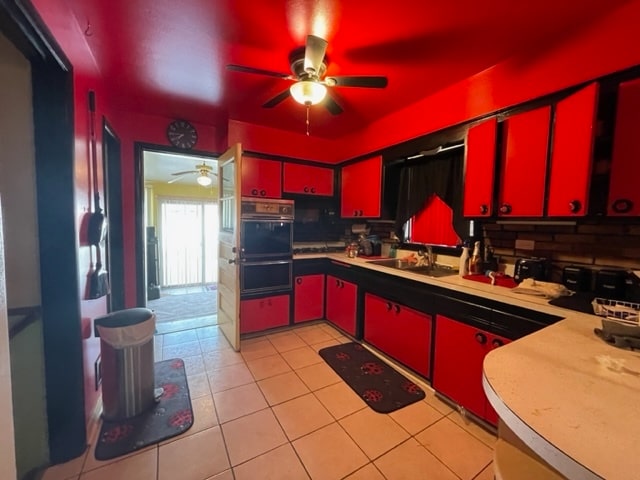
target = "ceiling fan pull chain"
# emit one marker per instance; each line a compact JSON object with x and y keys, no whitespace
{"x":308,"y":108}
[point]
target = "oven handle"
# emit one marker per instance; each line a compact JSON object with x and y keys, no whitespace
{"x":267,"y":218}
{"x":266,"y":262}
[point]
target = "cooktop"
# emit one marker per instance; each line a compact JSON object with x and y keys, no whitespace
{"x":318,"y":247}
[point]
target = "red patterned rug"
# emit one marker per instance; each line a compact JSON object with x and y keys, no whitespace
{"x":382,"y":387}
{"x":171,"y":416}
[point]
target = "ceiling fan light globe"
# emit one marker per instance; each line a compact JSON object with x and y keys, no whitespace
{"x":204,"y":180}
{"x":308,"y":92}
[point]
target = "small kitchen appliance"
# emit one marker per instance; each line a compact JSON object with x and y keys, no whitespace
{"x":577,"y":279}
{"x":611,"y":284}
{"x":536,"y":268}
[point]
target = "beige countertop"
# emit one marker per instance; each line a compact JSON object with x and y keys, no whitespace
{"x":454,"y":282}
{"x":572,"y":398}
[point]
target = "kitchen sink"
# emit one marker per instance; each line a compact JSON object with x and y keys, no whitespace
{"x":394,"y":263}
{"x":400,"y":264}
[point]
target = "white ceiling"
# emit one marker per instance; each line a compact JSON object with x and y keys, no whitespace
{"x":159,"y":166}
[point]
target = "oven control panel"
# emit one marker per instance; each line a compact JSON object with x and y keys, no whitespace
{"x":256,"y":208}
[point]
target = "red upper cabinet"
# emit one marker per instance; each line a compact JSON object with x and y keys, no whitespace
{"x":572,"y":153}
{"x":524,"y":163}
{"x":307,"y":179}
{"x":624,"y":186}
{"x":479,"y":169}
{"x":361,"y":189}
{"x":261,"y":178}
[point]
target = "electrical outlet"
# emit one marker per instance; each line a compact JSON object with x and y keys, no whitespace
{"x":525,"y":244}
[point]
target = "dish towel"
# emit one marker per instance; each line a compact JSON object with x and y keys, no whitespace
{"x":530,"y":286}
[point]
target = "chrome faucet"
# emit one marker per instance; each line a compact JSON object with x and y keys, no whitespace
{"x":426,"y":257}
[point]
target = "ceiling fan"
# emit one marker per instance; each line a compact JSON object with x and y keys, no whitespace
{"x":205,"y":174}
{"x":309,"y":65}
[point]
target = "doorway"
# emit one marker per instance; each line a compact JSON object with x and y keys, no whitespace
{"x":181,"y":229}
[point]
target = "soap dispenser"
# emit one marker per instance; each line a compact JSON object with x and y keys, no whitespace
{"x":464,"y":261}
{"x":475,"y":263}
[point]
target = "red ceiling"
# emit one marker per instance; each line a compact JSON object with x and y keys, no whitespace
{"x":168,"y":57}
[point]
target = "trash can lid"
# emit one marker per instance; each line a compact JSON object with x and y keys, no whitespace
{"x":123,"y":318}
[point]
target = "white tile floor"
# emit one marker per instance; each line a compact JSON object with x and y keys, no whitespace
{"x":277,"y":411}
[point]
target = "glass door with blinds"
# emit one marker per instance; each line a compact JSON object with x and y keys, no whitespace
{"x":188,"y":238}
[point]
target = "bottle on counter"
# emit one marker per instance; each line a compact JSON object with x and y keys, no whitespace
{"x":464,"y":261}
{"x":475,"y":263}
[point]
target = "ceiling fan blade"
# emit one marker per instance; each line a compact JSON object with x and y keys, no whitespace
{"x":185,"y":172}
{"x":282,"y":96}
{"x":179,"y":177}
{"x":331,"y":105}
{"x":357,"y":81}
{"x":258,"y":71}
{"x":314,"y":53}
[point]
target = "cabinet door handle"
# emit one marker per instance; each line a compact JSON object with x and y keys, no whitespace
{"x":484,"y":209}
{"x":481,"y":338}
{"x":298,"y":281}
{"x":397,"y":307}
{"x":263,"y":193}
{"x":388,"y":306}
{"x":254,"y":191}
{"x":341,"y":284}
{"x":337,"y":282}
{"x":496,"y":342}
{"x":355,"y":213}
{"x":361,"y":213}
{"x":575,"y":206}
{"x":313,"y":190}
{"x":306,"y":189}
{"x":622,"y":205}
{"x":505,"y":208}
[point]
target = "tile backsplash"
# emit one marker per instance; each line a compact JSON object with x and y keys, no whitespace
{"x":595,"y":246}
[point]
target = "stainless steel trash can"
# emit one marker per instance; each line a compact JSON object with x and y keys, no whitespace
{"x":126,"y":348}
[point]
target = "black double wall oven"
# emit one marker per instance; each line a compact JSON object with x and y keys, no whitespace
{"x":266,"y":246}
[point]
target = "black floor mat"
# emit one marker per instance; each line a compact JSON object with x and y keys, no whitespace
{"x":171,"y":416}
{"x":383,"y":388}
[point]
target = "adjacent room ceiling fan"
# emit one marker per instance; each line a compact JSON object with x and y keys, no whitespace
{"x":309,"y":65}
{"x":205,"y":175}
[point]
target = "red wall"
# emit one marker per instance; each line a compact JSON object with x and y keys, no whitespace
{"x":131,"y":128}
{"x":89,"y":309}
{"x":256,"y":138}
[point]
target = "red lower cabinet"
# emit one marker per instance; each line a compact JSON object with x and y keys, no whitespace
{"x":342,"y":304}
{"x":457,"y":371}
{"x":259,"y":314}
{"x":401,"y":332}
{"x":308,"y":301}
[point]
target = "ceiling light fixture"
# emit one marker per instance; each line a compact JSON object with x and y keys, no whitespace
{"x":308,"y":92}
{"x":204,"y":179}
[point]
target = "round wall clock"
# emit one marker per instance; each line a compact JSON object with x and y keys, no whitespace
{"x":182,"y":134}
